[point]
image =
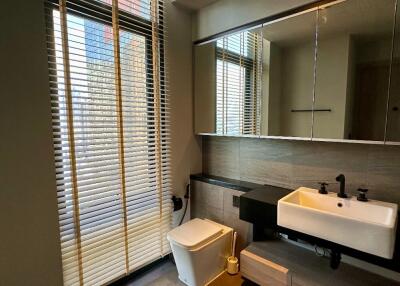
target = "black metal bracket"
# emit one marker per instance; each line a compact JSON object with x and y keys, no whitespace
{"x":177,"y":203}
{"x":311,"y":110}
{"x":336,"y":257}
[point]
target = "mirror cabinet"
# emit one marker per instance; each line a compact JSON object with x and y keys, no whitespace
{"x":328,"y":73}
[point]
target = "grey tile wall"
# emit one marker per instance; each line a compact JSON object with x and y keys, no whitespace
{"x":224,"y":158}
{"x":216,"y":203}
{"x":293,"y":164}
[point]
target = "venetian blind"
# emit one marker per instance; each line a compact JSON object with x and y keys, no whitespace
{"x":238,"y":84}
{"x":111,"y":139}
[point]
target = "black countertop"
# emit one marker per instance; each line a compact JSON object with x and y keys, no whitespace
{"x":267,"y":194}
{"x":259,"y":203}
{"x":233,"y":184}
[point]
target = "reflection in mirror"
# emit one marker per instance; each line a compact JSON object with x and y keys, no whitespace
{"x":228,"y":85}
{"x":351,"y":89}
{"x":288,"y":76}
{"x":393,"y":112}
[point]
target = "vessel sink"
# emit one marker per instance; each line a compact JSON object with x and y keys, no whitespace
{"x":366,"y":226}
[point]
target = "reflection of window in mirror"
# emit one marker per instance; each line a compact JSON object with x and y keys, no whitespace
{"x":237,"y":84}
{"x":230,"y":98}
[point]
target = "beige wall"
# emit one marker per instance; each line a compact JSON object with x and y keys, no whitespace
{"x":350,"y":96}
{"x":271,"y":89}
{"x":331,"y":87}
{"x":185,"y":146}
{"x":331,"y":90}
{"x":265,"y":83}
{"x":205,"y":89}
{"x":297,"y":90}
{"x":30,"y":246}
{"x":226,"y":14}
{"x":275,"y":87}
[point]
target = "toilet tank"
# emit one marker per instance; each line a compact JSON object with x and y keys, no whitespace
{"x":200,"y":248}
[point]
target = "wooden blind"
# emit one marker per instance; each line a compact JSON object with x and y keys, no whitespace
{"x":238,"y":84}
{"x":111,"y":138}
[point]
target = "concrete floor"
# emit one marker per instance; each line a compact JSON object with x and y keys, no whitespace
{"x":165,"y":274}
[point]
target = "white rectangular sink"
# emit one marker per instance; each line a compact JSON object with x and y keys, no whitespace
{"x":366,"y":226}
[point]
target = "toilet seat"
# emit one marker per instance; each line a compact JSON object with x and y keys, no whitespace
{"x":194,"y":233}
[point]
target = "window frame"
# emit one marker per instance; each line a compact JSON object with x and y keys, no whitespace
{"x":128,"y":22}
{"x":249,"y":65}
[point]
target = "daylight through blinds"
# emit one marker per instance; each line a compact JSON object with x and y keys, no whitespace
{"x":238,"y":84}
{"x":111,"y":138}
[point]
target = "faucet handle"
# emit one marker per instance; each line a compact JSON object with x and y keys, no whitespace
{"x":322,"y":188}
{"x":362,"y":195}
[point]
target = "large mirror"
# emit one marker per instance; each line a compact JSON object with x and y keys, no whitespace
{"x":352,"y":72}
{"x":330,"y":73}
{"x":258,"y":82}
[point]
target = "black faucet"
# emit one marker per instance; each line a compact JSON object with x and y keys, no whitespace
{"x":342,"y":180}
{"x":322,"y":188}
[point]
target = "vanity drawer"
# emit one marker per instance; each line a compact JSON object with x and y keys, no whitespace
{"x":263,"y":271}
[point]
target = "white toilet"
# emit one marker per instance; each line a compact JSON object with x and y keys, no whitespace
{"x":200,"y":248}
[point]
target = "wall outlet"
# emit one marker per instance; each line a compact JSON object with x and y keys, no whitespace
{"x":235,"y":201}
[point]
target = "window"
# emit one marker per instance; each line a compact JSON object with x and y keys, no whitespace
{"x":230,"y":97}
{"x":111,"y":138}
{"x":238,"y":84}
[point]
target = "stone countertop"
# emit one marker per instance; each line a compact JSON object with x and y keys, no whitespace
{"x":265,"y":193}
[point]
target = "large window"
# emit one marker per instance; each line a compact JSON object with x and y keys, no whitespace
{"x":109,"y":108}
{"x":238,"y":91}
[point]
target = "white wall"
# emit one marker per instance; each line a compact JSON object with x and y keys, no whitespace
{"x":226,"y":14}
{"x":29,"y":239}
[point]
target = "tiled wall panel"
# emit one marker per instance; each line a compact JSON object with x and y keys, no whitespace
{"x":216,"y":203}
{"x":292,"y":164}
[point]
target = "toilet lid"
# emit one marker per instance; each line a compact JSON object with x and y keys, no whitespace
{"x":194,"y":233}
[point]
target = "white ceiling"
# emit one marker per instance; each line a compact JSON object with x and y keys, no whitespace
{"x":364,"y":19}
{"x":194,"y":4}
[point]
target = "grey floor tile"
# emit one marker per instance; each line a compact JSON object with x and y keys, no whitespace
{"x":164,"y":274}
